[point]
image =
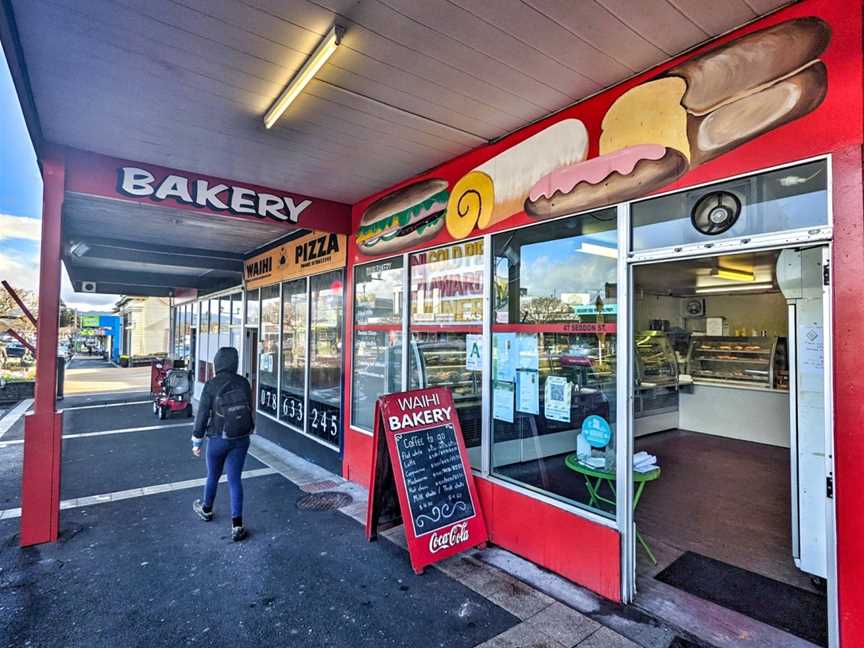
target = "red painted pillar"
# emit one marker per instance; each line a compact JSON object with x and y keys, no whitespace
{"x":43,"y":429}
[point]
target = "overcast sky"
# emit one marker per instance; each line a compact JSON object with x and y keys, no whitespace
{"x":21,"y":204}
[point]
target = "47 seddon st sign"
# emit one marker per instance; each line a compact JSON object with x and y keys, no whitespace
{"x":421,"y":475}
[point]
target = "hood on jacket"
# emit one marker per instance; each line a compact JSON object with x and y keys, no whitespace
{"x":226,"y":359}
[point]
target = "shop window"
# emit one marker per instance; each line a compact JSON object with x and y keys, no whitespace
{"x":292,"y":389}
{"x":446,"y":326}
{"x":204,"y":336}
{"x":325,"y":357}
{"x":268,"y":351}
{"x":785,"y":199}
{"x":253,"y":306}
{"x":553,"y":355}
{"x":377,"y":334}
{"x":236,"y":320}
{"x":224,"y":322}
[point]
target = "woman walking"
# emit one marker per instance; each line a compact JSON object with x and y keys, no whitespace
{"x":225,"y":418}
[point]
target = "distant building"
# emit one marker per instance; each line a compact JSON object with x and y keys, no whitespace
{"x":145,"y":326}
{"x":103,"y":328}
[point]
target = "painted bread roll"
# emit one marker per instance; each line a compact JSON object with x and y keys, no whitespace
{"x":698,"y":110}
{"x":403,"y":218}
{"x":607,"y":179}
{"x":496,"y":189}
{"x":752,"y":85}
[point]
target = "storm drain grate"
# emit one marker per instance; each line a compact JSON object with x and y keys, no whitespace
{"x":324,"y":501}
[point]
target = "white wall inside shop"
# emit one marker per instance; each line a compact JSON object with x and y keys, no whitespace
{"x":747,"y":313}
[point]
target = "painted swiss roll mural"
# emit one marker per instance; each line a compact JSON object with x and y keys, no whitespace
{"x":651,"y":136}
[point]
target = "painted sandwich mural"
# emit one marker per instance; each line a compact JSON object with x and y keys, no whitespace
{"x":650,"y":136}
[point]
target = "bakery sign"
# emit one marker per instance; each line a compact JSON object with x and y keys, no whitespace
{"x":189,"y":190}
{"x":311,"y":254}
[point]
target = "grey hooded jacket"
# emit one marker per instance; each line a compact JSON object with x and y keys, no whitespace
{"x":225,"y":363}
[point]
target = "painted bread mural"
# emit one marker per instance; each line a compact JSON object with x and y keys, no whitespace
{"x":403,"y":218}
{"x":650,"y":136}
{"x":694,"y":113}
{"x":496,"y":189}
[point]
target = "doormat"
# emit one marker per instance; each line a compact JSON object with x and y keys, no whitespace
{"x":792,"y":609}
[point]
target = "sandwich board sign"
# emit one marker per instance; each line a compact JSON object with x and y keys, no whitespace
{"x":420,"y":475}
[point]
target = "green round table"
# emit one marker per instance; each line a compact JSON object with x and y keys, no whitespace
{"x":594,"y":480}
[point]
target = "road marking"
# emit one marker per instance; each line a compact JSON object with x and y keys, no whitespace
{"x":131,"y":493}
{"x":82,"y":435}
{"x":80,"y":407}
{"x":13,"y":415}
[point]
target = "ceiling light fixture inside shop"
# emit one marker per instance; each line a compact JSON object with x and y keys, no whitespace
{"x":734,"y":288}
{"x":733,"y":275}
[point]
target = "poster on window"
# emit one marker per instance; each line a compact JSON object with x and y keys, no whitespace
{"x":557,"y":399}
{"x":506,"y":357}
{"x":529,"y":358}
{"x":473,"y":352}
{"x":528,"y":391}
{"x":502,"y":401}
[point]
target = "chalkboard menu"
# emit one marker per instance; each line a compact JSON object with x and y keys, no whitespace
{"x":419,"y":460}
{"x":435,"y":478}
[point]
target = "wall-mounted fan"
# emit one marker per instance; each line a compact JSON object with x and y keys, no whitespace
{"x":715,"y":212}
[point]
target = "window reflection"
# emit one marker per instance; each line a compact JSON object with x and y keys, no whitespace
{"x":553,"y":353}
{"x":291,"y":390}
{"x":325,"y":357}
{"x":268,"y":351}
{"x":377,"y":335}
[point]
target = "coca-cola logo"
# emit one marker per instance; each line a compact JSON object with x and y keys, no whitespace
{"x":451,"y":537}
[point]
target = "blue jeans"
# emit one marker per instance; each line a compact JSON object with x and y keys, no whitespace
{"x":229,"y":454}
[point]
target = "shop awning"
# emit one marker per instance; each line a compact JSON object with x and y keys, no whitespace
{"x":185,"y":84}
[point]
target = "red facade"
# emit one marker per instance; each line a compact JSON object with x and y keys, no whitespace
{"x":545,"y":533}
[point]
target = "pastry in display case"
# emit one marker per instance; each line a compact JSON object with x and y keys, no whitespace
{"x":656,"y":375}
{"x":744,"y":361}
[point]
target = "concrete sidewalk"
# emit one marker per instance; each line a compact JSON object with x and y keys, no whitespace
{"x":134,"y":567}
{"x":89,"y":374}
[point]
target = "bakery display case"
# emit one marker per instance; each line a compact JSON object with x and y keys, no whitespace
{"x":742,"y":361}
{"x":656,"y":394}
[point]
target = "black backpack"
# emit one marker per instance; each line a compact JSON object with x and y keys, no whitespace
{"x":232,"y":411}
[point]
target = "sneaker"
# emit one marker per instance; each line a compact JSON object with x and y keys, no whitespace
{"x":238,"y":533}
{"x":198,"y":507}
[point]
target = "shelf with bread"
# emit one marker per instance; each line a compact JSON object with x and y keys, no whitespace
{"x":744,"y":361}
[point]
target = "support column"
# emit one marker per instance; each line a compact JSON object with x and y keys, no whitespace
{"x":43,"y":429}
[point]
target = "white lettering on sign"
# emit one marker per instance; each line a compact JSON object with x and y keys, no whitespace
{"x":174,"y":186}
{"x":455,"y":535}
{"x":242,"y":200}
{"x":140,"y":183}
{"x":207,"y":196}
{"x":416,"y":419}
{"x":136,"y":182}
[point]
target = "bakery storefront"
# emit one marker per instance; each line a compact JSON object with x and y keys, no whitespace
{"x":634,"y":303}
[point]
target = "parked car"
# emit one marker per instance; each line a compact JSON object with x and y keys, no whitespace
{"x":14,"y":349}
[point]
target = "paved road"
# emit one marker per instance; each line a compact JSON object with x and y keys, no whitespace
{"x":85,"y":375}
{"x":137,"y":568}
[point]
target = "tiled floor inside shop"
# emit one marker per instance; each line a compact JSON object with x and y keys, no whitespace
{"x":723,"y":498}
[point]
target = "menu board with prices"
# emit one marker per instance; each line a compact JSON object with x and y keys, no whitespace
{"x":421,"y":474}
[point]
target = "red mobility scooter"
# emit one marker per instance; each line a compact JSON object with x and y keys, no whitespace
{"x":170,"y":388}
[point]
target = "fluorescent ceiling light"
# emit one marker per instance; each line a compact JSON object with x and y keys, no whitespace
{"x":733,"y":275}
{"x":79,"y":249}
{"x":305,"y":74}
{"x":598,"y":250}
{"x":734,"y":288}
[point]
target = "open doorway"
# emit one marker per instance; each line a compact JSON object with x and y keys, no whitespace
{"x":730,"y":399}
